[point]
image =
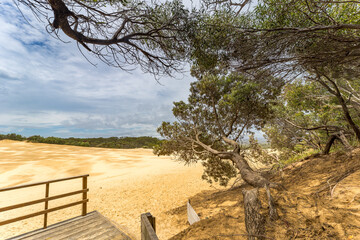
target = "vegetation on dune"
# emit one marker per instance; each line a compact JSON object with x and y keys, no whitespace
{"x":111,"y":142}
{"x":289,"y":68}
{"x":220,"y":110}
{"x":297,"y":78}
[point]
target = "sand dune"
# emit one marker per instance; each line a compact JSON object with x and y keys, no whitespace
{"x":123,"y":184}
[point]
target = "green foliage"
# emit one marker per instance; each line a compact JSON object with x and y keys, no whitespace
{"x":218,"y":105}
{"x":112,"y":142}
{"x":286,"y":37}
{"x":290,"y":38}
{"x":218,"y":170}
{"x":212,"y":35}
{"x":274,"y":14}
{"x":12,"y":136}
{"x":307,"y":115}
{"x":287,"y":157}
{"x":257,"y":153}
{"x":304,"y":14}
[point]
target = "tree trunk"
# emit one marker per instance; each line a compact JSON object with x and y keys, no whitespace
{"x":344,"y":141}
{"x":340,"y":136}
{"x":254,"y":221}
{"x":348,"y":117}
{"x":250,"y":176}
{"x":272,"y":209}
{"x":329,"y":144}
{"x":256,"y":180}
{"x":337,"y":93}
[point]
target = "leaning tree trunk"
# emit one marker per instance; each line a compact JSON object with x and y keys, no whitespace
{"x":254,"y":221}
{"x":337,"y":93}
{"x":340,"y":136}
{"x":250,"y":176}
{"x":329,"y":143}
{"x":344,"y":141}
{"x":344,"y":107}
{"x":256,"y":180}
{"x":349,"y":118}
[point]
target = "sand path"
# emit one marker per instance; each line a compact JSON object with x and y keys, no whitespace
{"x":123,"y":184}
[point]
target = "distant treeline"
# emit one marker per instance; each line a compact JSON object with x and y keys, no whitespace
{"x":111,"y":142}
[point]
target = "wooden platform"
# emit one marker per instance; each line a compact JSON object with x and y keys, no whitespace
{"x":90,"y":227}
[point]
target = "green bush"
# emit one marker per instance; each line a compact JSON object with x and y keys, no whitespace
{"x":111,"y":142}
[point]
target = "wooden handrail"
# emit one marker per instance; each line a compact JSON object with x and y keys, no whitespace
{"x":40,"y":183}
{"x":46,"y":200}
{"x":41,"y":200}
{"x":42,"y":212}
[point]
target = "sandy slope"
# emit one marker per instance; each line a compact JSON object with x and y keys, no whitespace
{"x":322,"y":202}
{"x":123,"y":184}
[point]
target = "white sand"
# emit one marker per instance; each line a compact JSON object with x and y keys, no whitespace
{"x":123,"y":184}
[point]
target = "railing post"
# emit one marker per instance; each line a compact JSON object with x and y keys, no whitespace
{"x":152,"y":221}
{"x":148,"y":228}
{"x":84,"y":206}
{"x":46,"y":203}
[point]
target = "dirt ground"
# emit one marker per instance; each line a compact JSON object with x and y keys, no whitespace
{"x":321,"y":201}
{"x":123,"y":184}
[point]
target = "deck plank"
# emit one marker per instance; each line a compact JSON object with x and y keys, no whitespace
{"x":91,"y":226}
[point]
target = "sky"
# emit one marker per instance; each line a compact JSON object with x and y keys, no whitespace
{"x":48,"y":88}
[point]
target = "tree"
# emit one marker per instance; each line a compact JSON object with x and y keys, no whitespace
{"x":209,"y":128}
{"x":121,"y":33}
{"x":332,"y":83}
{"x":317,"y":40}
{"x":291,"y":33}
{"x":308,"y":116}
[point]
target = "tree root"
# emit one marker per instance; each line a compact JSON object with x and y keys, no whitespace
{"x":277,"y":186}
{"x":336,"y":180}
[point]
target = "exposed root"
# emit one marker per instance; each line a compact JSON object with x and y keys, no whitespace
{"x":335,"y":180}
{"x":277,"y":186}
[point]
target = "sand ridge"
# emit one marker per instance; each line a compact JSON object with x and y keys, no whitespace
{"x":123,"y":184}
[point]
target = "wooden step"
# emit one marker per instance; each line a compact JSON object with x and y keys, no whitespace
{"x":95,"y":233}
{"x":62,"y":226}
{"x":113,"y":236}
{"x":93,"y":226}
{"x":74,"y":229}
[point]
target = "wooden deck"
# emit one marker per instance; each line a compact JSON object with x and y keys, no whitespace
{"x":90,"y":227}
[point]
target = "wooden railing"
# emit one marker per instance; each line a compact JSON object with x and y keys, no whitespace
{"x":47,"y":199}
{"x":148,"y":227}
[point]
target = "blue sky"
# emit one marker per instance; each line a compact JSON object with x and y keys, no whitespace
{"x":48,"y":88}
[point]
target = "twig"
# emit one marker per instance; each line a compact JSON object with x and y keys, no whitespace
{"x":236,"y":181}
{"x":332,"y":190}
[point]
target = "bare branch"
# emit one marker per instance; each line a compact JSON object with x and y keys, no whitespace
{"x":224,"y":155}
{"x":124,"y":36}
{"x":323,"y":127}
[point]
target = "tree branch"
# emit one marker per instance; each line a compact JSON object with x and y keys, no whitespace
{"x":323,"y":127}
{"x":223,"y":155}
{"x":304,"y":30}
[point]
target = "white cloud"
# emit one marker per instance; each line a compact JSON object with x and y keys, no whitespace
{"x":45,"y":83}
{"x":35,"y":119}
